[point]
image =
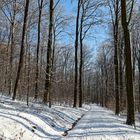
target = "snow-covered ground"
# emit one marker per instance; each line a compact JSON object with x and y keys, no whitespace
{"x":101,"y":124}
{"x":38,"y":122}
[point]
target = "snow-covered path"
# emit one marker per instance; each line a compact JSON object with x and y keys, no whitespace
{"x":38,"y":122}
{"x":102,"y":124}
{"x":35,"y":122}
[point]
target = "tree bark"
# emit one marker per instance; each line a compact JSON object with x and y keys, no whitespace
{"x":76,"y":54}
{"x":22,"y":49}
{"x":117,"y":110}
{"x":121,"y":74}
{"x":80,"y":73}
{"x":49,"y":55}
{"x":81,"y":61}
{"x":116,"y":24}
{"x":40,"y":5}
{"x":128,"y":68}
{"x":12,"y":32}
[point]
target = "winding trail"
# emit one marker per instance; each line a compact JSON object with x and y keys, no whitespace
{"x":101,"y":124}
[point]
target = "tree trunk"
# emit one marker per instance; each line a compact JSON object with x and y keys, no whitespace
{"x":40,"y":4}
{"x":81,"y":63}
{"x":121,"y":75}
{"x":12,"y":32}
{"x":6,"y":82}
{"x":53,"y":51}
{"x":105,"y":82}
{"x":102,"y":87}
{"x":49,"y":55}
{"x":22,"y":49}
{"x":28,"y":75}
{"x":128,"y":68}
{"x":117,"y":109}
{"x":97,"y":90}
{"x":76,"y":54}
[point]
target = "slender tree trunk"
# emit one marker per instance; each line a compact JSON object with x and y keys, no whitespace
{"x":40,"y":5}
{"x":22,"y":49}
{"x":128,"y":68}
{"x":12,"y":32}
{"x":80,"y":75}
{"x":81,"y":63}
{"x":97,"y":88}
{"x":102,"y":87}
{"x":41,"y":60}
{"x":106,"y":87}
{"x":121,"y":75}
{"x":28,"y":75}
{"x":53,"y":51}
{"x":27,"y":59}
{"x":11,"y":59}
{"x":76,"y":54}
{"x":49,"y":56}
{"x":7,"y":66}
{"x":117,"y":109}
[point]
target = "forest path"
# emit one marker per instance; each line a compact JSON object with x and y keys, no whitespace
{"x":101,"y":124}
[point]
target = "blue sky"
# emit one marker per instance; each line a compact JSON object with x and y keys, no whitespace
{"x":100,"y":33}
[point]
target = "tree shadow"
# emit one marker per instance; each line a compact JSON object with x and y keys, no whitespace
{"x":52,"y":118}
{"x":47,"y":135}
{"x":102,"y":123}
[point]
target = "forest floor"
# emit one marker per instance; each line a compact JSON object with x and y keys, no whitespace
{"x":101,"y":124}
{"x":38,"y":122}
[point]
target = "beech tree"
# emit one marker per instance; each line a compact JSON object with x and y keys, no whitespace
{"x":40,"y":6}
{"x":76,"y":53}
{"x":114,"y":11}
{"x":22,"y":49}
{"x":125,"y":20}
{"x":49,"y":55}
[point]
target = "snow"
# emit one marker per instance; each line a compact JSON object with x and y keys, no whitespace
{"x":101,"y":124}
{"x":38,"y":122}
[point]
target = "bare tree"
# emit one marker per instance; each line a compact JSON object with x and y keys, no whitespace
{"x":88,"y":19}
{"x":9,"y":8}
{"x":76,"y":53}
{"x":114,"y":10}
{"x":40,"y":6}
{"x":128,"y":68}
{"x":49,"y":55}
{"x":22,"y":49}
